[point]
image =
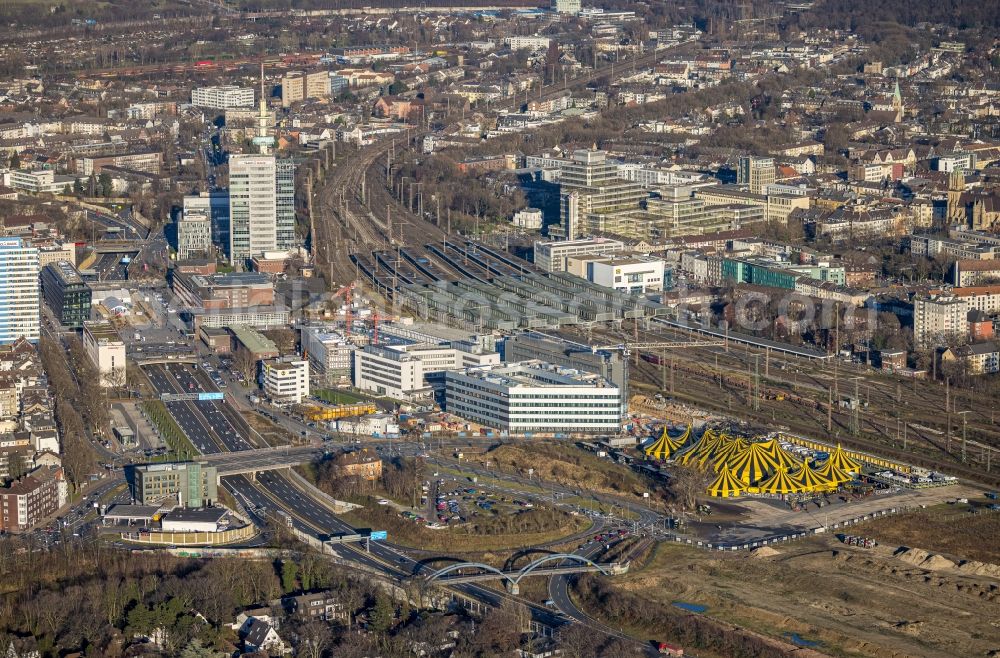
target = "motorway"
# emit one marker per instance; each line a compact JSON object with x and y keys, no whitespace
{"x":274,"y":491}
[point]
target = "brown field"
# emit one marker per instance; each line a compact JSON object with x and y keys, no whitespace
{"x":950,"y":529}
{"x":853,"y":602}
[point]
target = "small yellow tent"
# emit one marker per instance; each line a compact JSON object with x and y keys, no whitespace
{"x":779,"y":483}
{"x":843,"y":461}
{"x":810,"y":480}
{"x":726,"y":486}
{"x":833,"y":474}
{"x":665,"y":446}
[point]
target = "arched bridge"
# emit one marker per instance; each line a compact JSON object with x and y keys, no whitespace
{"x":537,"y":568}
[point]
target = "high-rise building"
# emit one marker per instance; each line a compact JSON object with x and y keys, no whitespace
{"x":252,"y":206}
{"x":601,"y":193}
{"x":66,"y":294}
{"x":285,"y":203}
{"x":194,"y":236}
{"x":297,"y":86}
{"x":106,"y":350}
{"x":939,"y":321}
{"x":756,"y":172}
{"x":261,"y":205}
{"x":19,"y":286}
{"x":215,"y":204}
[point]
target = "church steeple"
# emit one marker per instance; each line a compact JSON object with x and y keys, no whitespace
{"x":897,"y":102}
{"x":264,"y":140}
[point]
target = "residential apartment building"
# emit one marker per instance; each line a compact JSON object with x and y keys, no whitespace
{"x":535,"y":397}
{"x":755,"y":172}
{"x":106,"y":350}
{"x":298,"y":86}
{"x":939,"y":320}
{"x":286,"y":382}
{"x":19,"y":306}
{"x":66,"y":294}
{"x":194,"y":236}
{"x":194,"y":484}
{"x":566,"y":6}
{"x":222,"y":97}
{"x":32,"y":499}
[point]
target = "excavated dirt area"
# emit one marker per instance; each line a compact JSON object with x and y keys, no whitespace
{"x":885,"y":602}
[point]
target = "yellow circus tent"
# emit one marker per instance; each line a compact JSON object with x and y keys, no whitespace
{"x":785,"y":459}
{"x":810,"y":479}
{"x":700,"y":449}
{"x":779,"y":483}
{"x":726,"y":485}
{"x":754,"y":463}
{"x":843,"y":461}
{"x":833,"y":474}
{"x":665,"y":446}
{"x":728,"y":452}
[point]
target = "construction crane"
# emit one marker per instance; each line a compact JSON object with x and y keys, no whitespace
{"x":347,"y":292}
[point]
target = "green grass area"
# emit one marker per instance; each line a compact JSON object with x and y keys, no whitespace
{"x":180,"y":446}
{"x":339,"y":397}
{"x":479,"y":534}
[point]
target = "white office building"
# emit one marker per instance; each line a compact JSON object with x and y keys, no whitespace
{"x":566,"y":6}
{"x":39,"y":181}
{"x":286,"y":382}
{"x":411,"y":371}
{"x":535,"y":397}
{"x":261,"y":205}
{"x":106,"y":350}
{"x":222,"y":97}
{"x":19,"y":301}
{"x":551,"y":256}
{"x":527,"y":42}
{"x":634,"y":275}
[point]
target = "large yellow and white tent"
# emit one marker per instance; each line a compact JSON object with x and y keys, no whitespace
{"x":779,"y":483}
{"x":754,"y":463}
{"x":843,"y":461}
{"x":665,"y":446}
{"x":810,"y":480}
{"x":726,"y":485}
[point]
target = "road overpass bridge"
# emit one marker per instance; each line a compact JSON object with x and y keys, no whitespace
{"x":248,"y":462}
{"x":458,"y":573}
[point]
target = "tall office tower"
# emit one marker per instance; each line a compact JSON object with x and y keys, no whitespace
{"x":252,"y":206}
{"x":602,"y":197}
{"x":261,"y":205}
{"x":756,"y":172}
{"x":19,"y":305}
{"x":285,"y":203}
